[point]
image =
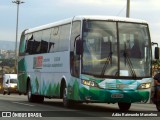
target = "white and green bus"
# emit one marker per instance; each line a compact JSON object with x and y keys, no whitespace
{"x":97,"y":59}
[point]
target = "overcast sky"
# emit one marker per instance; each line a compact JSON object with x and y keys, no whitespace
{"x":38,"y":12}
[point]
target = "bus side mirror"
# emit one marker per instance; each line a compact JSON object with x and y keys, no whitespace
{"x":79,"y":46}
{"x":156,"y":53}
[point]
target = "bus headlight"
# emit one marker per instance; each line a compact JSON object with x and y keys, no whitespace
{"x":89,"y":83}
{"x":144,"y":86}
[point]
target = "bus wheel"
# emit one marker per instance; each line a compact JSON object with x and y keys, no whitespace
{"x":124,"y":106}
{"x":34,"y":98}
{"x":66,"y":102}
{"x":31,"y":98}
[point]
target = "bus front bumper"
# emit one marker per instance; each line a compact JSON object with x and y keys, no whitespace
{"x":114,"y":96}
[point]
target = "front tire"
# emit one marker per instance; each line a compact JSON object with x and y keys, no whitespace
{"x":124,"y":106}
{"x":66,"y":102}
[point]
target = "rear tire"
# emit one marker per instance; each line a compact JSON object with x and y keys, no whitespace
{"x":33,"y":98}
{"x":124,"y":106}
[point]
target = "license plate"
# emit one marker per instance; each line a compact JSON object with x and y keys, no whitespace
{"x":117,"y":95}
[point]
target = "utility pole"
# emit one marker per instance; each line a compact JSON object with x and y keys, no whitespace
{"x":128,"y":9}
{"x":18,"y":2}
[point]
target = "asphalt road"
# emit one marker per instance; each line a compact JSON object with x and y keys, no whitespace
{"x":53,"y":108}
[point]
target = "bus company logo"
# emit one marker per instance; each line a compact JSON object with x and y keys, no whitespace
{"x":38,"y":62}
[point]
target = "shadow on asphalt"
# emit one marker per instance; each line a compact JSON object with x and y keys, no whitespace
{"x":83,"y":106}
{"x":93,"y":110}
{"x":81,"y":110}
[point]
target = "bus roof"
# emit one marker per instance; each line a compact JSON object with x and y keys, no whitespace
{"x":65,"y":21}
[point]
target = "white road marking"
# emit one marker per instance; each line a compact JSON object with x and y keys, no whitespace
{"x":23,"y":104}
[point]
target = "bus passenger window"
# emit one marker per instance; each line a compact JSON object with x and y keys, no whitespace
{"x":29,"y":43}
{"x":29,"y":47}
{"x":37,"y":36}
{"x":54,"y":39}
{"x":51,"y":47}
{"x":46,"y":37}
{"x":44,"y":46}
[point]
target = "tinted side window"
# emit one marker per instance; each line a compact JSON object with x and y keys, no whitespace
{"x":29,"y":43}
{"x":37,"y":36}
{"x":33,"y":44}
{"x":45,"y":41}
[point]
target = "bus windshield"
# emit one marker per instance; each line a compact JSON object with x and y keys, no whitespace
{"x":117,"y":49}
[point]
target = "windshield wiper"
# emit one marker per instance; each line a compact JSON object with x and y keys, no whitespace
{"x":108,"y":60}
{"x":128,"y":60}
